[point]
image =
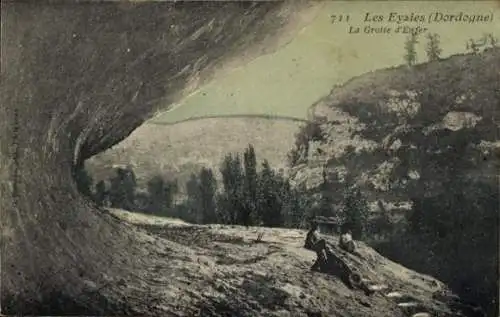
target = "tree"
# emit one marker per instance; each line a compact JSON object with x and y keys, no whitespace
{"x":411,"y":53}
{"x":250,"y":186}
{"x":161,"y":195}
{"x":122,"y":191}
{"x":270,"y":205}
{"x":326,"y":201}
{"x":433,"y":48}
{"x":293,"y":209}
{"x":223,"y":208}
{"x":382,"y":224}
{"x":305,"y":201}
{"x":250,"y":197}
{"x":493,"y":41}
{"x":193,"y":202}
{"x":83,"y":181}
{"x":355,"y":211}
{"x":101,"y":194}
{"x":233,"y":188}
{"x":207,"y":190}
{"x":472,"y":46}
{"x":156,"y":191}
{"x":201,"y":201}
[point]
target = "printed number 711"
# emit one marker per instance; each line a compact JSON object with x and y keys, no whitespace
{"x":339,"y":18}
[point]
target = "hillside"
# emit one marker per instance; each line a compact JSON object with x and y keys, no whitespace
{"x":177,"y":150}
{"x":219,"y":270}
{"x":368,"y":112}
{"x":423,"y":141}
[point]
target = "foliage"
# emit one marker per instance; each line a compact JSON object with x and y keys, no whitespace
{"x":325,"y":206}
{"x":207,"y":188}
{"x":83,"y":181}
{"x":488,"y":40}
{"x":269,"y":200}
{"x":193,"y":203}
{"x":381,"y":226}
{"x":160,"y":195}
{"x":247,"y":196}
{"x":295,"y":207}
{"x":433,"y":48}
{"x":455,"y":210}
{"x":493,"y":41}
{"x":410,"y":51}
{"x":101,"y":194}
{"x":355,"y":211}
{"x":472,"y":46}
{"x":251,"y":180}
{"x":232,"y":192}
{"x":457,"y":215}
{"x":122,"y":190}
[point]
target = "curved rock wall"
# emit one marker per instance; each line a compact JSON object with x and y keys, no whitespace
{"x":76,"y":79}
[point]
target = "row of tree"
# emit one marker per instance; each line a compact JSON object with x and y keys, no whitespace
{"x":264,"y":197}
{"x":433,"y":46}
{"x":121,"y":191}
{"x":247,"y":195}
{"x":432,"y":49}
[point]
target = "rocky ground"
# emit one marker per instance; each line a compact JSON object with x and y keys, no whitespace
{"x":219,"y":270}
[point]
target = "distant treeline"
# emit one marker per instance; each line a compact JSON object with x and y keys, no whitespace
{"x":246,"y":195}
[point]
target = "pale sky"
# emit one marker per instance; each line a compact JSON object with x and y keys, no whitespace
{"x":323,"y":54}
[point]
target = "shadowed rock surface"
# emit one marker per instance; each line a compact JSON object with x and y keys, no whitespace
{"x":76,"y":79}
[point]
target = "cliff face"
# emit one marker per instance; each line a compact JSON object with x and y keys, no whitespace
{"x":424,"y":141}
{"x":369,"y":119}
{"x":117,"y":64}
{"x":76,"y":79}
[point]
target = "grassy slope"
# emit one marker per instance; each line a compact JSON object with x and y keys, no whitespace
{"x":448,"y":78}
{"x":178,"y":150}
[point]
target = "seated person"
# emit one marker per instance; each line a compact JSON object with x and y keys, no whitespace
{"x":346,"y":242}
{"x":314,"y":243}
{"x":328,"y":262}
{"x":312,"y":237}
